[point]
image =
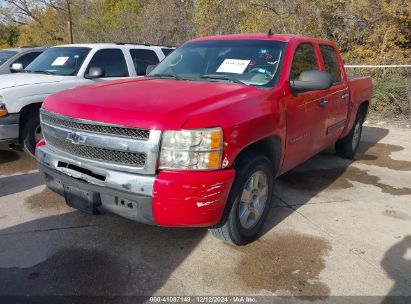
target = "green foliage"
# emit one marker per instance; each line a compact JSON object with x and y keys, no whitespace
{"x":391,"y":97}
{"x":9,"y":35}
{"x":106,"y":21}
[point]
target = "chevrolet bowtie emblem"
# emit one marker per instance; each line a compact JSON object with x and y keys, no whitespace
{"x":76,"y":138}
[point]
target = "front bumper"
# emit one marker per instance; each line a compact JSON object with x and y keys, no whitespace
{"x":176,"y":199}
{"x":9,"y":128}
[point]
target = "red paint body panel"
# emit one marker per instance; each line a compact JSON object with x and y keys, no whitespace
{"x":146,"y":103}
{"x":245,"y":113}
{"x":360,"y":90}
{"x":195,"y":199}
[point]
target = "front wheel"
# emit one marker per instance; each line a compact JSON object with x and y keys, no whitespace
{"x":347,"y":147}
{"x":249,"y":200}
{"x":31,"y":133}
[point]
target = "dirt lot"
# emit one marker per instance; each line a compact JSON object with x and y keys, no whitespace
{"x":336,"y":228}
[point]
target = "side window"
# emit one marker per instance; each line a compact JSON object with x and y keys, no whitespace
{"x":142,"y":59}
{"x":167,"y":51}
{"x":304,"y":60}
{"x":112,"y":61}
{"x":331,"y":63}
{"x":26,"y":59}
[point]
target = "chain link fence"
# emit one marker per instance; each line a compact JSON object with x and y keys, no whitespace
{"x":392,"y":91}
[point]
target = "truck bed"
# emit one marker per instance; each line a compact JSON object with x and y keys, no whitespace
{"x":360,"y":89}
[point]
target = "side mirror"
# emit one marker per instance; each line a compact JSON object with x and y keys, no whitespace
{"x":311,"y":81}
{"x":16,"y":67}
{"x":150,"y":68}
{"x":95,"y":72}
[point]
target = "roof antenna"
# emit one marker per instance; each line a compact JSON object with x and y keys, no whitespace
{"x":270,"y":33}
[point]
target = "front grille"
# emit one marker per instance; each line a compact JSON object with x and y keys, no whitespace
{"x":99,"y":154}
{"x":140,"y":134}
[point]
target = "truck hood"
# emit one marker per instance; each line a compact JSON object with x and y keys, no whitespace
{"x":23,"y":79}
{"x":146,"y":103}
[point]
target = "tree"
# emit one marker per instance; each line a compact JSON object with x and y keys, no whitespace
{"x":9,"y":35}
{"x":216,"y":17}
{"x":107,"y":21}
{"x":166,"y":22}
{"x":41,"y":21}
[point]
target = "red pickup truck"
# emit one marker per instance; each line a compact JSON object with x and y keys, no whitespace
{"x":199,"y":142}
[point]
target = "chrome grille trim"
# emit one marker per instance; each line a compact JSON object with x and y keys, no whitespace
{"x":100,"y":154}
{"x":89,"y":126}
{"x":117,"y":146}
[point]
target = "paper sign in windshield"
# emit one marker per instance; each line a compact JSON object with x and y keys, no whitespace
{"x":235,"y":66}
{"x":60,"y":61}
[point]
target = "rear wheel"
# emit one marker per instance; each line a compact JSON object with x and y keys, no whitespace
{"x":248,"y":202}
{"x":31,"y":133}
{"x":347,"y":147}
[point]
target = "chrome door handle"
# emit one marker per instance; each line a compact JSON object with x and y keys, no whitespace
{"x":345,"y":96}
{"x":323,"y":103}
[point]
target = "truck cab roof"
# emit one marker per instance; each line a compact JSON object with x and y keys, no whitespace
{"x":277,"y":37}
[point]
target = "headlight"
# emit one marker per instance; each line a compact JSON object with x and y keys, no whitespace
{"x":3,"y":109}
{"x":199,"y":149}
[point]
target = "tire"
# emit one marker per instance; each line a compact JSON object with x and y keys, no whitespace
{"x":236,"y":227}
{"x":347,"y":147}
{"x":31,"y":133}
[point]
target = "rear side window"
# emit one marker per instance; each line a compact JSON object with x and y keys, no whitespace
{"x":112,"y":61}
{"x":166,"y":51}
{"x":6,"y":55}
{"x":142,"y":59}
{"x":26,"y":59}
{"x":331,"y":63}
{"x":304,"y":60}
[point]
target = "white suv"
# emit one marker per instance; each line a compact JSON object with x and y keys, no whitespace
{"x":19,"y":57}
{"x":60,"y":68}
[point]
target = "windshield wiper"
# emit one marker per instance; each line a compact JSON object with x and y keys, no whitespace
{"x":40,"y":72}
{"x":45,"y":72}
{"x":222,"y":77}
{"x":172,"y":76}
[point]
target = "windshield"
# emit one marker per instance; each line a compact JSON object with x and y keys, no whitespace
{"x":6,"y":55}
{"x":65,"y":61}
{"x":251,"y":62}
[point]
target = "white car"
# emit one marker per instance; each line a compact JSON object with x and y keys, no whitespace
{"x":60,"y":68}
{"x":16,"y":59}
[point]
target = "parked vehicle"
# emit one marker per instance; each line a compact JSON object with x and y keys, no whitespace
{"x":59,"y":68}
{"x":16,"y":59}
{"x":199,"y":142}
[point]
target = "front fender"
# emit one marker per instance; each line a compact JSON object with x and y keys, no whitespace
{"x":244,"y":122}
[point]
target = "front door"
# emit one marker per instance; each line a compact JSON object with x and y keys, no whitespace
{"x":305,"y":114}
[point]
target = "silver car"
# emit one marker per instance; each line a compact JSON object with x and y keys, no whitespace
{"x":16,"y":59}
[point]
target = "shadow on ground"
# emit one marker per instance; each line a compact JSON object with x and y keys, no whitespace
{"x":397,"y":264}
{"x":7,"y":155}
{"x":12,"y":162}
{"x":77,"y":254}
{"x":18,"y":183}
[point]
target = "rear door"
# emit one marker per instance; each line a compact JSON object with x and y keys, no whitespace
{"x":337,"y":96}
{"x":112,"y":61}
{"x":142,"y":58}
{"x":305,"y":116}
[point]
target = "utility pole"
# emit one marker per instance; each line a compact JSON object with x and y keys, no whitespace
{"x":69,"y":22}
